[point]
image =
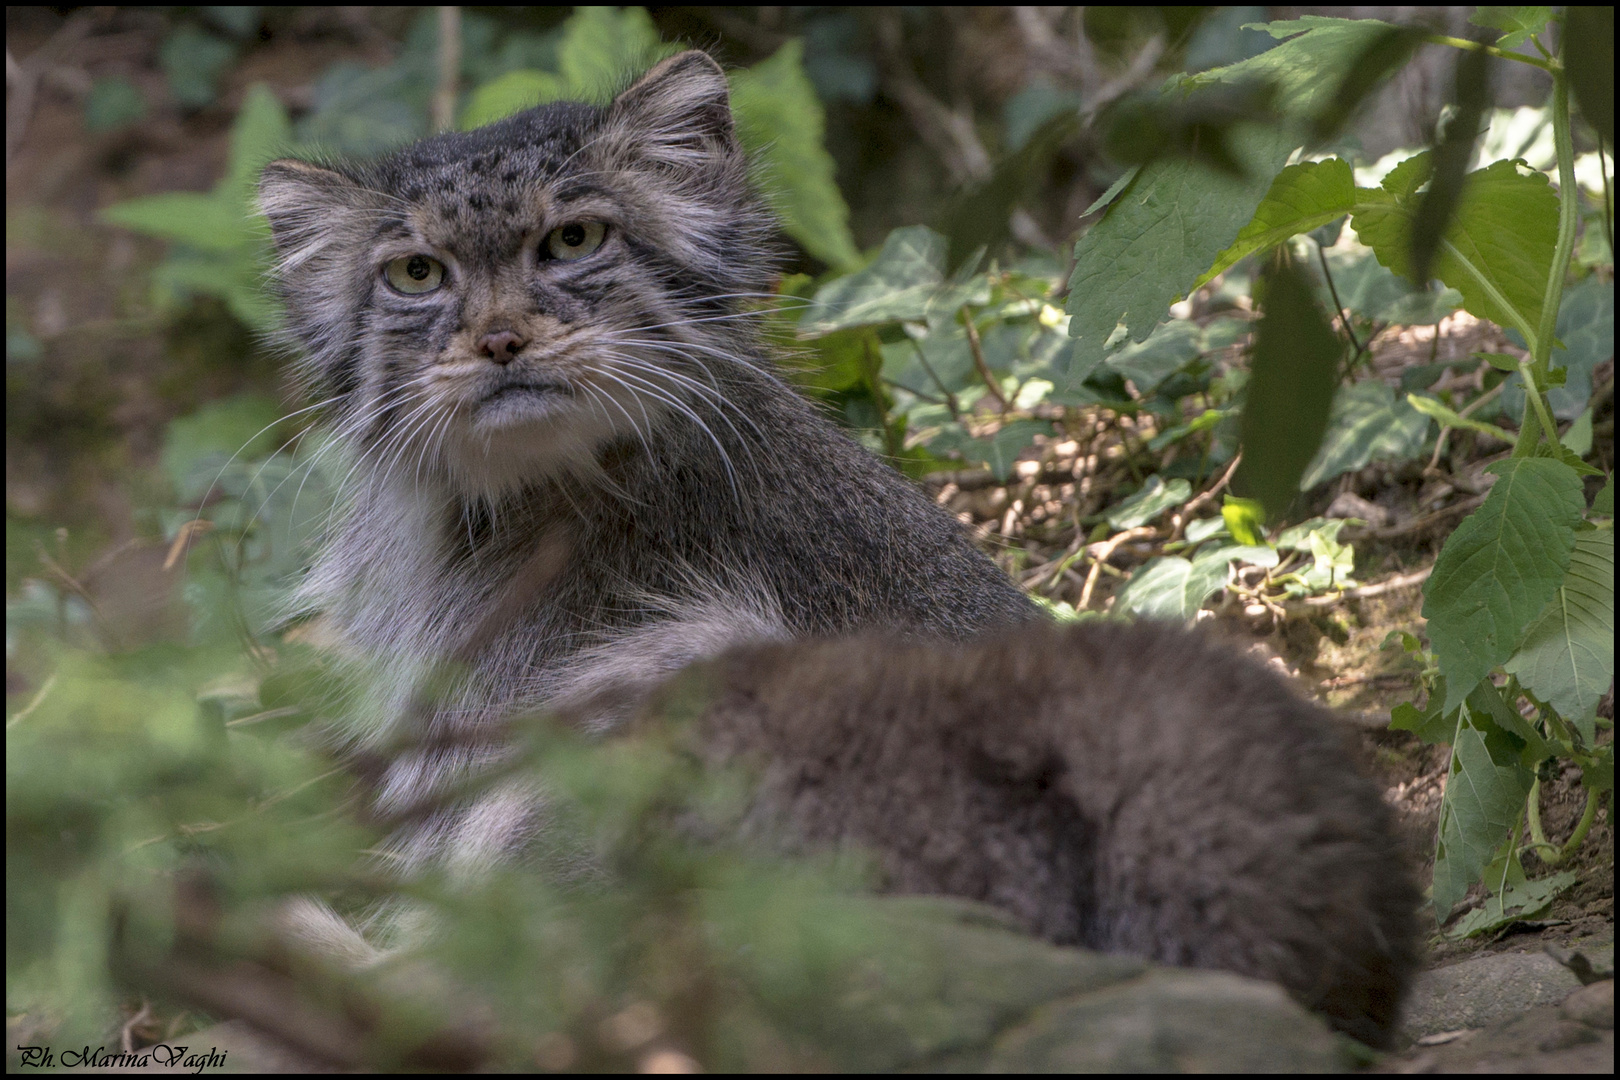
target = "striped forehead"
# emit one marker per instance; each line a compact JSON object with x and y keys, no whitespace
{"x":479,"y":194}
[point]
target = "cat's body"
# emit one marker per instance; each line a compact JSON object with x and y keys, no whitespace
{"x":576,"y":472}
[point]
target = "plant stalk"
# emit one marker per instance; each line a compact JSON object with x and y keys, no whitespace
{"x":1537,"y":415}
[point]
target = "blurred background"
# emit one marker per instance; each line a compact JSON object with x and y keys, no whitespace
{"x":113,"y":333}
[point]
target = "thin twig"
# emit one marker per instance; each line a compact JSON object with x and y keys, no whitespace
{"x":1344,"y":316}
{"x":978,"y":361}
{"x":1178,"y":522}
{"x":444,"y":96}
{"x":1102,"y":552}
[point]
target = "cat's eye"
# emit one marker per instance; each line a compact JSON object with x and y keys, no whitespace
{"x":574,"y":241}
{"x":414,"y":275}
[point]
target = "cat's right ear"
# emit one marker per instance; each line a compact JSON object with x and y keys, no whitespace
{"x":300,"y":200}
{"x":679,"y":114}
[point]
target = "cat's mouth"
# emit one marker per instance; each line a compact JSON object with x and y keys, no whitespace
{"x":518,"y":401}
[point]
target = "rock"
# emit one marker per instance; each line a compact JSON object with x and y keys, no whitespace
{"x":1483,"y":990}
{"x":1593,"y":1005}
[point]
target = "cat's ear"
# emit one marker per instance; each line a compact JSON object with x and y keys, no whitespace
{"x":679,"y":113}
{"x":304,"y":202}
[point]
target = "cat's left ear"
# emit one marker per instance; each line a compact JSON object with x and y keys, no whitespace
{"x":679,"y":113}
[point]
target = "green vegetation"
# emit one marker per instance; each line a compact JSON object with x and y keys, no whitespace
{"x":155,"y":796}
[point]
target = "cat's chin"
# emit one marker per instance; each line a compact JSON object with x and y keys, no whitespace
{"x":524,"y":404}
{"x":514,"y":440}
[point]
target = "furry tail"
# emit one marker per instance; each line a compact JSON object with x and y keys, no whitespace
{"x":1130,"y":788}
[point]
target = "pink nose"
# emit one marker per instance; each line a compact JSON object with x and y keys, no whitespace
{"x":501,"y":346}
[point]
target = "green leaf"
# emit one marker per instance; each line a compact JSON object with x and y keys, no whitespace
{"x":1498,"y":249}
{"x":1432,"y":724}
{"x":1518,"y":900}
{"x":1578,"y":439}
{"x":1302,"y":197}
{"x":1567,"y":657}
{"x":203,"y":221}
{"x":600,"y":44}
{"x":1245,"y":520}
{"x":906,"y":281}
{"x":508,"y":94}
{"x":1170,"y":587}
{"x":1518,"y":24}
{"x":1500,"y":568}
{"x":195,"y":446}
{"x":781,"y":123}
{"x":1158,"y":236}
{"x":1603,"y":501}
{"x":1298,"y":537}
{"x":1585,"y":339}
{"x":1174,"y":218}
{"x":1480,"y":807}
{"x":1509,"y":737}
{"x":1368,"y":423}
{"x":1309,"y":66}
{"x":260,"y":132}
{"x":1154,"y":499}
{"x":1293,"y":371}
{"x":1428,"y":406}
{"x":1167,"y":350}
{"x":226,"y":239}
{"x":1368,"y":288}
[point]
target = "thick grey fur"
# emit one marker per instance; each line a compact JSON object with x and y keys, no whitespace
{"x":1137,"y":789}
{"x":636,"y":488}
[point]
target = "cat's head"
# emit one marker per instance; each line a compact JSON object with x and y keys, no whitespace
{"x":493,"y":306}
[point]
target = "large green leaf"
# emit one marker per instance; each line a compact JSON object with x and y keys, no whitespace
{"x":1567,"y":658}
{"x":1165,"y":351}
{"x":511,"y":93}
{"x":1481,"y":805}
{"x":1154,"y":499}
{"x":780,"y":121}
{"x":196,"y":446}
{"x":1518,"y":24}
{"x":1366,"y":287}
{"x":1308,"y":67}
{"x":1500,"y":568}
{"x":1368,"y":423}
{"x":906,"y":281}
{"x":1302,"y":197}
{"x":600,"y":44}
{"x":227,"y":238}
{"x":260,"y":133}
{"x":1159,"y":235}
{"x":1170,"y":587}
{"x":1294,"y":368}
{"x":1175,"y":217}
{"x":1586,"y":330}
{"x":203,"y":221}
{"x":1498,"y":249}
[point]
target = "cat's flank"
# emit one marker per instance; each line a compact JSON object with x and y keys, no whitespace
{"x":575,"y":471}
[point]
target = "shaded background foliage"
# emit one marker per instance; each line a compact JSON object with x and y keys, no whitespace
{"x":934,"y":168}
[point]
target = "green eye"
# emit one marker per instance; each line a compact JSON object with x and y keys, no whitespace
{"x":575,"y":241}
{"x":414,"y":275}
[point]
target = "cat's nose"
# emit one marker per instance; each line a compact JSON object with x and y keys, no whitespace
{"x":501,"y":346}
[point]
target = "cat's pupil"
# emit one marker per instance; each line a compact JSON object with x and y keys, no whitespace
{"x":418,"y":268}
{"x":573,"y":235}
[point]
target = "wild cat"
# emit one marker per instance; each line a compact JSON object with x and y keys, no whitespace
{"x":576,"y":471}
